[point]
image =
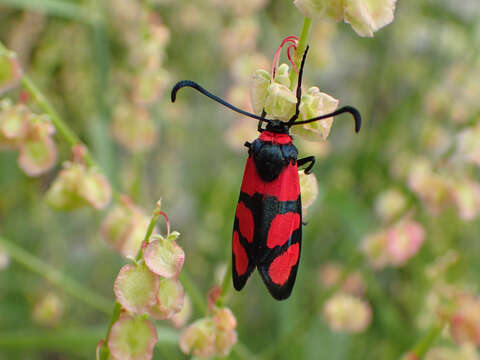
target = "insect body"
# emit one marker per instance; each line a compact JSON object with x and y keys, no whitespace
{"x":267,"y":230}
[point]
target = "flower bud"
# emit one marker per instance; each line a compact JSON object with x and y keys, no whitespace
{"x":164,"y":257}
{"x":76,"y":186}
{"x":224,"y":341}
{"x":466,"y":195}
{"x":132,"y":338}
{"x":389,"y":204}
{"x":124,"y":227}
{"x":38,"y":151}
{"x":13,"y":124}
{"x":346,"y":313}
{"x":133,"y":128}
{"x":315,"y":103}
{"x":48,"y":310}
{"x":280,"y":101}
{"x":224,"y":319}
{"x":10,"y":71}
{"x":308,"y":189}
{"x":368,"y":16}
{"x":332,"y":273}
{"x":465,"y":319}
{"x":374,"y":246}
{"x":259,"y":90}
{"x":136,"y":288}
{"x":365,"y":16}
{"x":404,"y":241}
{"x":432,"y":188}
{"x":199,"y":338}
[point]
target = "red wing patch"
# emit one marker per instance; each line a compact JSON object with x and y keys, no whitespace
{"x":281,"y":228}
{"x":245,"y":220}
{"x":285,"y":187}
{"x":281,"y":267}
{"x":241,"y":258}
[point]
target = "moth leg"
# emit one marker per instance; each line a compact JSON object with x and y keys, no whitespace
{"x":303,"y":161}
{"x":260,"y":122}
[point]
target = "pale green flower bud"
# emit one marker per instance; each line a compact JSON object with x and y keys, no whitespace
{"x":170,"y":298}
{"x":260,"y":83}
{"x":282,"y":75}
{"x":365,"y":16}
{"x":199,"y":338}
{"x":280,"y":101}
{"x":368,"y":16}
{"x":315,"y":103}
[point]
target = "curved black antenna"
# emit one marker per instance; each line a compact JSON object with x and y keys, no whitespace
{"x":197,"y":87}
{"x":350,"y":109}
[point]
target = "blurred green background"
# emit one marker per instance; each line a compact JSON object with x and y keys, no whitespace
{"x":415,"y":82}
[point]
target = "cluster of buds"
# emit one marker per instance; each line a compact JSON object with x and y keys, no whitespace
{"x":365,"y":16}
{"x":133,"y":126}
{"x":29,"y":133}
{"x":77,"y":185}
{"x":149,"y":286}
{"x":273,"y":93}
{"x":438,"y":191}
{"x":347,"y":313}
{"x":213,"y":335}
{"x":125,"y":226}
{"x":464,"y":318}
{"x":394,"y":245}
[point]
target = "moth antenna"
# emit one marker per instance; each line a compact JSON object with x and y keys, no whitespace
{"x":200,"y":89}
{"x":350,"y":109}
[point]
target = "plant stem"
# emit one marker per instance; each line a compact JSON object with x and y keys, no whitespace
{"x":226,"y":285}
{"x":425,"y":343}
{"x":149,"y":232}
{"x":67,"y":284}
{"x":302,"y":45}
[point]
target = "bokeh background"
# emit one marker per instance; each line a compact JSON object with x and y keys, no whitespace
{"x":108,"y":68}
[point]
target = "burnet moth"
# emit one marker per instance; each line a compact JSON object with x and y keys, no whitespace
{"x":267,"y":230}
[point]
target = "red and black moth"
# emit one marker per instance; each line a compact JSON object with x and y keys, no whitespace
{"x":267,"y":230}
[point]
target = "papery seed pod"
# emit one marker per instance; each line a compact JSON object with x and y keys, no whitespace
{"x":10,"y":71}
{"x":136,"y":288}
{"x":170,"y":298}
{"x":48,"y":310}
{"x":180,"y":319}
{"x":389,"y":204}
{"x":164,"y":257}
{"x":124,"y":227}
{"x":346,"y":313}
{"x":374,"y":246}
{"x":38,"y":151}
{"x":199,"y":338}
{"x":465,"y":319}
{"x":404,"y":241}
{"x":132,"y":338}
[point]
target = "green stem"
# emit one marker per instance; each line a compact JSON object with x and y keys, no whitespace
{"x":226,"y":285}
{"x":149,"y":232}
{"x":302,"y":45}
{"x":67,"y":284}
{"x":430,"y":338}
{"x":191,"y":289}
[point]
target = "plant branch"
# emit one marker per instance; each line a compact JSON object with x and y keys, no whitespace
{"x":302,"y":45}
{"x":54,"y":276}
{"x":425,"y":343}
